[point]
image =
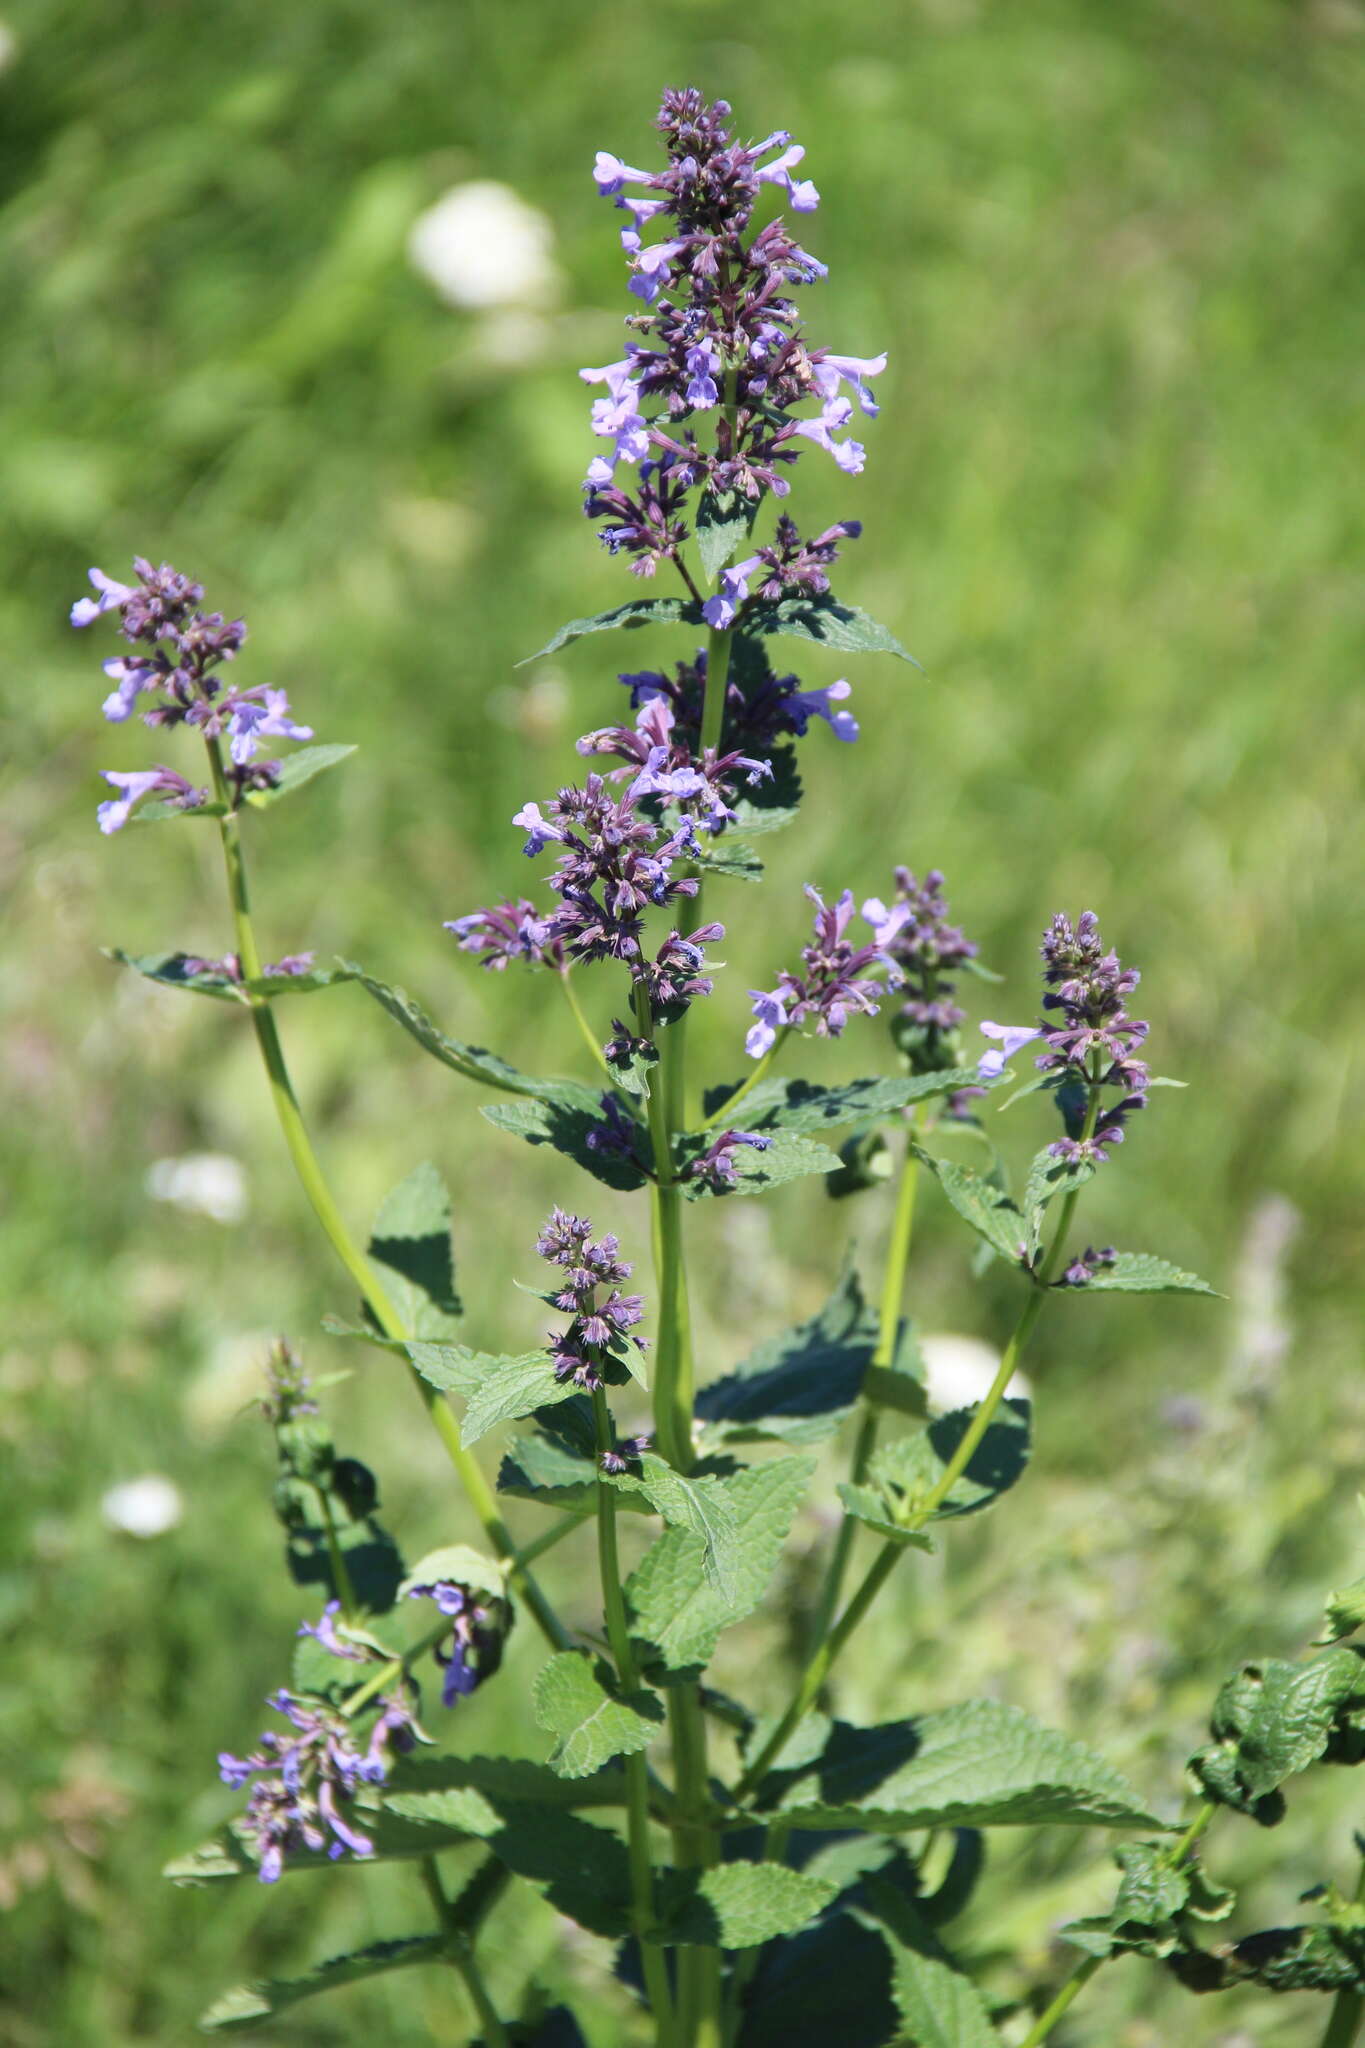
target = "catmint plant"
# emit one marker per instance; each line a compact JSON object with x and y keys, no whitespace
{"x":765,"y":1872}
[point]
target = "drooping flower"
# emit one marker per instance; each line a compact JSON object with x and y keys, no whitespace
{"x":716,"y":1165}
{"x":1012,"y":1039}
{"x":507,"y":931}
{"x":137,"y":785}
{"x":479,"y":1622}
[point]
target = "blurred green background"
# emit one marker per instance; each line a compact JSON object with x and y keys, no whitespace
{"x":1112,"y":503}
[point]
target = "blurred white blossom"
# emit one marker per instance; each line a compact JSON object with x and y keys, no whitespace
{"x":482,"y":247}
{"x":958,"y":1372}
{"x":202,"y":1183}
{"x":147,"y":1506}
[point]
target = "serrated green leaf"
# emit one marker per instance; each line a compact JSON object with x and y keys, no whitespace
{"x":978,"y":1764}
{"x":568,"y":1124}
{"x":724,"y":522}
{"x":826,"y":621}
{"x":674,"y":1604}
{"x":990,"y":1212}
{"x":540,"y":1468}
{"x":462,"y":1565}
{"x":798,"y":1387}
{"x":582,"y":1870}
{"x":297,"y":769}
{"x":869,"y":1506}
{"x":788,"y":1157}
{"x":474,"y":1062}
{"x":411,"y":1243}
{"x":574,"y":1700}
{"x":1049,"y":1177}
{"x":800,"y":1105}
{"x":170,"y":969}
{"x":1344,"y":1612}
{"x":738,"y":1904}
{"x":1271,"y":1720}
{"x":496,"y":1387}
{"x":731,"y":858}
{"x":1140,"y":1273}
{"x":830,"y":1984}
{"x":940,"y":2007}
{"x":641,"y":611}
{"x":1281,"y":1959}
{"x":700,"y":1504}
{"x":250,"y":2004}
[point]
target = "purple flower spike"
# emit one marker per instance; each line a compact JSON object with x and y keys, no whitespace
{"x":1013,"y":1038}
{"x":720,"y":611}
{"x":840,"y":980}
{"x":835,"y":413}
{"x":611,"y":174}
{"x":592,"y":1350}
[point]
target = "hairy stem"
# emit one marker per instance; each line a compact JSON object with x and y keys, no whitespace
{"x":637,"y":1773}
{"x":585,"y":1029}
{"x":1063,"y":2002}
{"x":324,"y":1207}
{"x":893,"y":1289}
{"x":460,"y":1949}
{"x":673,"y":1353}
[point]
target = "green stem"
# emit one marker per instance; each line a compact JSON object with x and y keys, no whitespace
{"x":893,"y":1290}
{"x":460,"y":1950}
{"x":1062,"y":2003}
{"x":673,"y":1351}
{"x":817,"y":1670}
{"x":324,"y":1207}
{"x":576,"y":1008}
{"x":341,"y":1576}
{"x":383,"y":1677}
{"x":732,"y":1102}
{"x":1348,"y":2007}
{"x":652,"y":1962}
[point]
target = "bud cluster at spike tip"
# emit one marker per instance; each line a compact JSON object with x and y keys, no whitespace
{"x":591,"y":1351}
{"x":928,"y":951}
{"x":181,"y":651}
{"x":1090,"y":1040}
{"x":721,"y":334}
{"x":840,"y":979}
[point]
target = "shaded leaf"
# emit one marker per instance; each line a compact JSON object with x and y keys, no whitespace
{"x":582,"y":1870}
{"x":575,"y":1701}
{"x":826,"y":621}
{"x":641,"y":611}
{"x":474,"y":1062}
{"x":940,"y":2007}
{"x":1271,"y":1720}
{"x":411,"y":1242}
{"x":902,"y":1384}
{"x":798,"y":1387}
{"x":830,"y":1984}
{"x":1281,"y":1959}
{"x":674,"y":1603}
{"x":904,"y":1474}
{"x":1049,"y":1177}
{"x":249,"y":2004}
{"x":568,"y":1123}
{"x":978,"y":1764}
{"x":172,"y":970}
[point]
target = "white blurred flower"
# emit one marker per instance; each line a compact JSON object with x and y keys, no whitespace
{"x":148,"y":1506}
{"x":229,"y":1380}
{"x":958,"y":1372}
{"x":202,"y":1183}
{"x":482,"y":246}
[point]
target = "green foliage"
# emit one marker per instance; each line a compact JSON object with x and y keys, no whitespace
{"x":799,"y":1105}
{"x":640,"y":611}
{"x":1344,"y":1612}
{"x":474,"y":1062}
{"x":567,"y":1120}
{"x":797,"y":1387}
{"x":902,"y":1476}
{"x":411,"y":1242}
{"x":738,"y":1904}
{"x":296,"y":770}
{"x":462,"y":1565}
{"x":724,"y":522}
{"x":1323,"y":1958}
{"x":172,"y":971}
{"x":832,"y":1982}
{"x":1273,"y":1719}
{"x":979,"y":1202}
{"x":979,"y":1764}
{"x":845,"y":627}
{"x":939,"y":2005}
{"x":677,"y":1608}
{"x":788,"y":1157}
{"x":496,"y":1387}
{"x":243,"y":2009}
{"x":1155,"y":1896}
{"x":1049,"y":1177}
{"x":1140,"y":1273}
{"x":576,"y":1701}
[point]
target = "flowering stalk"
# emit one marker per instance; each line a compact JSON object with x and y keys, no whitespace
{"x":324,"y":1207}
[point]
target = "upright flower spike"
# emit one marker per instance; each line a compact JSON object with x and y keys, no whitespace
{"x":1090,"y":1042}
{"x":840,"y":979}
{"x":929,"y":951}
{"x":591,"y":1350}
{"x":720,"y":330}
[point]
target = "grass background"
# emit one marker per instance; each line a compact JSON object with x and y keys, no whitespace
{"x":1112,"y":504}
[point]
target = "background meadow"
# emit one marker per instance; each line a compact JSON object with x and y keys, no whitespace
{"x":1112,"y":504}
